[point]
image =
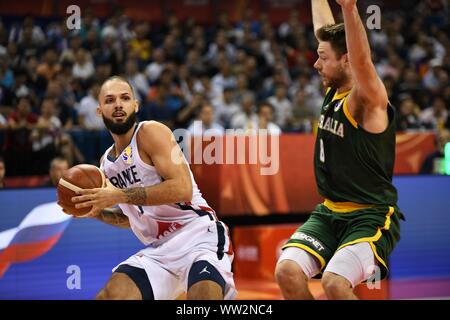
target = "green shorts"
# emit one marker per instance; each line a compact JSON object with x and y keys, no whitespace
{"x":327,"y":231}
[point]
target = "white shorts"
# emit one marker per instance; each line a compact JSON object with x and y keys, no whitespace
{"x":167,"y":266}
{"x":356,"y":263}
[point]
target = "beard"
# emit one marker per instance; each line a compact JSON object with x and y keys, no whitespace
{"x":120,"y":128}
{"x":337,"y":80}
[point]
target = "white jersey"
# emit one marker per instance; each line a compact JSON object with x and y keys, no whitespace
{"x":151,"y":224}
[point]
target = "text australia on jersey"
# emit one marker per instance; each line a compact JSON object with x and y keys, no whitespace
{"x":332,"y":125}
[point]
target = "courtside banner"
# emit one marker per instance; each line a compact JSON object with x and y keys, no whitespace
{"x":46,"y":254}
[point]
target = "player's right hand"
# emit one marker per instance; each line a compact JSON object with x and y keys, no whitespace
{"x":66,"y":210}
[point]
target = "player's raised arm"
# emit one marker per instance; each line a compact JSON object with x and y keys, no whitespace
{"x":368,"y":87}
{"x":321,"y":14}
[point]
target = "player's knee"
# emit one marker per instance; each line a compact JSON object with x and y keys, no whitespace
{"x":334,"y":284}
{"x":288,"y":274}
{"x":119,"y":287}
{"x":205,"y":290}
{"x":110,"y":292}
{"x":106,"y":294}
{"x":102,"y":295}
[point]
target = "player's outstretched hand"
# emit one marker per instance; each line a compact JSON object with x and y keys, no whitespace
{"x":98,"y":198}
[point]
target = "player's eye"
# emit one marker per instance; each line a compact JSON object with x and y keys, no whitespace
{"x":126,"y":98}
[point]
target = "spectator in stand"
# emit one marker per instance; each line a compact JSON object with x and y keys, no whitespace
{"x":242,"y":88}
{"x":45,"y":137}
{"x":264,"y":120}
{"x":3,"y":122}
{"x":282,"y":105}
{"x":6,"y":74}
{"x":50,"y":66}
{"x":226,"y":107}
{"x":190,"y":112}
{"x":83,"y":67}
{"x":65,"y":103}
{"x":88,"y":118}
{"x":434,"y":117}
{"x":17,"y":147}
{"x":141,"y":46}
{"x":69,"y":53}
{"x":303,"y":115}
{"x":408,"y":115}
{"x":433,"y":163}
{"x":434,"y":73}
{"x":155,"y":68}
{"x":57,"y":168}
{"x":205,"y":125}
{"x":137,"y":79}
{"x":246,"y":117}
{"x":163,"y":108}
{"x":223,"y":79}
{"x":409,"y":84}
{"x":18,"y":33}
{"x":221,"y":44}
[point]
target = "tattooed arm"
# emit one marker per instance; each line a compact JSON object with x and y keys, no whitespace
{"x":115,"y":217}
{"x":157,"y":147}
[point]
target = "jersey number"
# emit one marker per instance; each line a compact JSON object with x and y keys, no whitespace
{"x":322,"y":152}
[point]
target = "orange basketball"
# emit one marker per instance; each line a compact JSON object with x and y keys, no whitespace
{"x":82,"y":176}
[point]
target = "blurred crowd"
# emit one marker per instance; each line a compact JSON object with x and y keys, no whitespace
{"x":246,"y":74}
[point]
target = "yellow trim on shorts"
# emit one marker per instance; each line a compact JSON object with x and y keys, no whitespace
{"x":344,"y":207}
{"x":309,"y":250}
{"x":348,"y":115}
{"x":374,"y":238}
{"x":375,"y":253}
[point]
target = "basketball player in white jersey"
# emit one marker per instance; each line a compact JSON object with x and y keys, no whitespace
{"x":151,"y":189}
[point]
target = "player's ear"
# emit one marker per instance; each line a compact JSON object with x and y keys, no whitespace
{"x":345,"y":57}
{"x":98,"y":111}
{"x":136,"y":102}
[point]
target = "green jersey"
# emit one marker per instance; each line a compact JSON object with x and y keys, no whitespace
{"x":350,"y":163}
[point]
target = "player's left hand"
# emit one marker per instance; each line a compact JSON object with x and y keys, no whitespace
{"x":98,"y":198}
{"x":346,"y":4}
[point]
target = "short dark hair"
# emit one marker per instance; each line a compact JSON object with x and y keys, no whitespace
{"x":335,"y":34}
{"x":206,"y":104}
{"x":117,"y":78}
{"x":263,"y":104}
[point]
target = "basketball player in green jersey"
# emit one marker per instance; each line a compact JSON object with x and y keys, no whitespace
{"x":348,"y":237}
